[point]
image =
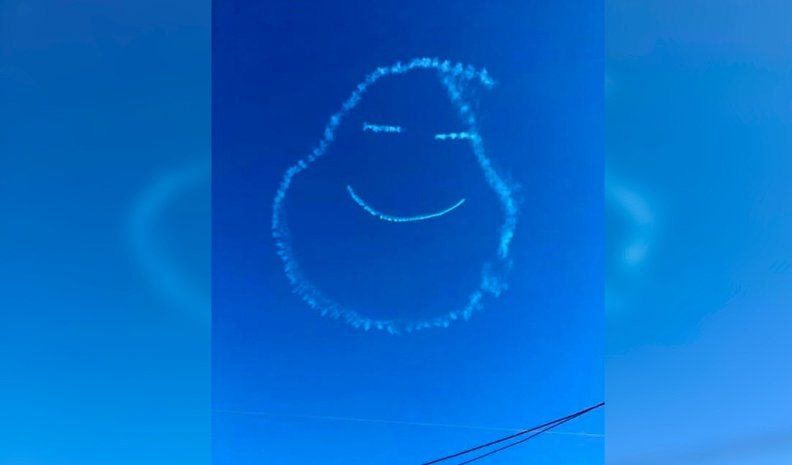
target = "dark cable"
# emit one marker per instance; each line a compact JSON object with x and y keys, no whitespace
{"x":549,"y":425}
{"x":495,"y":451}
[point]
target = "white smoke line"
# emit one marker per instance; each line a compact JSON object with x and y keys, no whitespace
{"x":381,"y":128}
{"x":399,"y":422}
{"x":399,"y":219}
{"x":454,"y":136}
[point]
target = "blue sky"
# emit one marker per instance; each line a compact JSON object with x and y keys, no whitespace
{"x":106,"y":112}
{"x":101,"y":102}
{"x":698,"y":126}
{"x":533,"y":354}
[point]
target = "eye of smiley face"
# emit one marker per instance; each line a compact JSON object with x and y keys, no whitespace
{"x":455,"y":79}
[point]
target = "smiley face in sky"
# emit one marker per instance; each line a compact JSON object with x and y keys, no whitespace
{"x":379,"y":225}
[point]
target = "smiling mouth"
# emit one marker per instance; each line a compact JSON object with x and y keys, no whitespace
{"x":399,"y":219}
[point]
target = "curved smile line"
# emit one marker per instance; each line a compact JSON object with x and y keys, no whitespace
{"x":399,"y":219}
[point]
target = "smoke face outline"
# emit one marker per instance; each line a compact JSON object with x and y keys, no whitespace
{"x":455,"y":77}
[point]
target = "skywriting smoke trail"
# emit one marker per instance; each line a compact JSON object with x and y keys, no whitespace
{"x":454,"y":136}
{"x":399,"y":219}
{"x":455,"y":77}
{"x":381,"y":128}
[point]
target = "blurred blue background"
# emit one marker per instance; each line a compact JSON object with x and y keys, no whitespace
{"x":104,"y":232}
{"x":291,"y":387}
{"x":699,"y":136}
{"x":104,"y":149}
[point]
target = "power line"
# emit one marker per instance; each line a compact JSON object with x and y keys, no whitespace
{"x":539,"y":430}
{"x":495,"y":451}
